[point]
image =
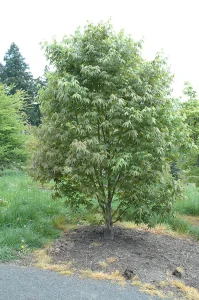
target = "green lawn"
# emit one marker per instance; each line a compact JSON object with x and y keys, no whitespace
{"x":29,"y":217}
{"x":189,"y":206}
{"x":185,"y":208}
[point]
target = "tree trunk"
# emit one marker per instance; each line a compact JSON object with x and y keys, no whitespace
{"x":108,"y":232}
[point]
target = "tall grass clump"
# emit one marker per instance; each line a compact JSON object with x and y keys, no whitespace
{"x":28,"y":215}
{"x":189,"y":205}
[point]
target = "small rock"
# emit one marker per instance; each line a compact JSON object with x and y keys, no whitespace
{"x":177,"y":273}
{"x":128,"y":274}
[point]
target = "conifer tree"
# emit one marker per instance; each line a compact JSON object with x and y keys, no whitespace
{"x":15,"y":73}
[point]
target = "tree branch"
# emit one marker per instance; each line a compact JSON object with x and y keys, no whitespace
{"x":100,"y":184}
{"x":117,"y":219}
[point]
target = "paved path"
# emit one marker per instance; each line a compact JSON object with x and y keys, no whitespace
{"x":28,"y":283}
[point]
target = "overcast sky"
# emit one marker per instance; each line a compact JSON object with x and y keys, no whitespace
{"x":171,"y":25}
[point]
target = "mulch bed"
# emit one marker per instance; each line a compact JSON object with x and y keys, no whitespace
{"x":152,"y":257}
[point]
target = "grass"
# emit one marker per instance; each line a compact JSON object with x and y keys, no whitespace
{"x":183,"y":226}
{"x":189,"y":293}
{"x":151,"y":290}
{"x":189,"y":206}
{"x":29,"y":218}
{"x":185,"y":221}
{"x":114,"y":276}
{"x":184,"y":291}
{"x":187,"y":214}
{"x":43,"y":261}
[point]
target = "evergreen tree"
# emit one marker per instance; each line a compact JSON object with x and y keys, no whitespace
{"x":15,"y":74}
{"x":1,"y":70}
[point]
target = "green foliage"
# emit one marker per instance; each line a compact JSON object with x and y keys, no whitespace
{"x":12,"y":137}
{"x":190,"y":109}
{"x":182,"y":208}
{"x":109,"y":124}
{"x":15,"y":74}
{"x":155,"y":208}
{"x":73,"y":197}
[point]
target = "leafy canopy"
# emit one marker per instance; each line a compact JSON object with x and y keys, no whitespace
{"x":190,"y":109}
{"x":109,"y":125}
{"x":11,"y":129}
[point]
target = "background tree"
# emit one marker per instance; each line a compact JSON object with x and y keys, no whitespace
{"x":1,"y":69}
{"x":15,"y":74}
{"x":12,"y":138}
{"x":39,"y":83}
{"x":190,"y":109}
{"x":109,"y":125}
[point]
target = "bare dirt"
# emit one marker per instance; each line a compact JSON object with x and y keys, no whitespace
{"x":153,"y":258}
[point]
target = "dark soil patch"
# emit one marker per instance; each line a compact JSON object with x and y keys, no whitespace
{"x":152,"y":257}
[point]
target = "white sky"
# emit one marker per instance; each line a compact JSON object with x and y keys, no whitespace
{"x":171,"y":25}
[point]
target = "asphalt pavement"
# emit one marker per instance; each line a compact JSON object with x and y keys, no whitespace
{"x":28,"y":283}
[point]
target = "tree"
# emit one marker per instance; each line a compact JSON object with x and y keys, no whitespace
{"x":190,"y":109}
{"x":1,"y":69}
{"x":15,"y":74}
{"x":39,"y":83}
{"x":109,"y":125}
{"x":12,"y":138}
{"x":16,"y":71}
